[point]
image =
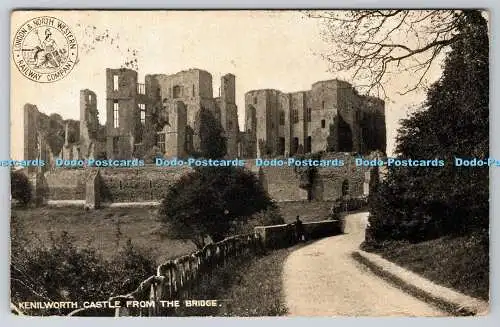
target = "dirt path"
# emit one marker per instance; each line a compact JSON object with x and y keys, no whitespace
{"x":322,"y":279}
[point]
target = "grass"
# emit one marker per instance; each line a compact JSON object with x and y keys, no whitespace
{"x":105,"y":229}
{"x":257,"y":288}
{"x":461,"y":263}
{"x":108,"y":228}
{"x":244,"y":288}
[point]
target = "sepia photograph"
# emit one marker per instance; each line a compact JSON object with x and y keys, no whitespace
{"x":250,"y":163}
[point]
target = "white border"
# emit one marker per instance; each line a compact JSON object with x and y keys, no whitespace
{"x":6,"y":319}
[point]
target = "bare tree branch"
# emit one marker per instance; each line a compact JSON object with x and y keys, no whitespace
{"x":373,"y":44}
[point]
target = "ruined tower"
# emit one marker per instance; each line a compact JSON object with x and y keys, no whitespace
{"x":31,"y":146}
{"x":330,"y":117}
{"x":89,"y":123}
{"x":229,"y":114}
{"x":174,"y":132}
{"x":125,"y":104}
{"x":30,"y":131}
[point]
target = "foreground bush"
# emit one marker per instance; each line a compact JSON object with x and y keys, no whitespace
{"x":60,"y":271}
{"x":208,"y":202}
{"x":20,"y":187}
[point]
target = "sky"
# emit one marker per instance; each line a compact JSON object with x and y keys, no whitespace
{"x":263,"y":49}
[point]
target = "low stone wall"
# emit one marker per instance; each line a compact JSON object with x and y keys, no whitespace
{"x":277,"y":236}
{"x":66,"y":184}
{"x":98,"y":185}
{"x":319,"y":229}
{"x":141,"y":184}
{"x":280,"y":236}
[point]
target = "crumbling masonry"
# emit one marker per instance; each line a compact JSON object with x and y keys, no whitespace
{"x":330,"y":117}
{"x":163,"y":115}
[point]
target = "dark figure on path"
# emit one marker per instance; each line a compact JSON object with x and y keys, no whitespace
{"x":299,"y":230}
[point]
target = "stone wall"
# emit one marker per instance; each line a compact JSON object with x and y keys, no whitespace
{"x":150,"y":183}
{"x":280,"y":236}
{"x":330,"y":179}
{"x":138,"y":184}
{"x":282,"y":183}
{"x":113,"y":185}
{"x":276,"y":236}
{"x":66,"y":184}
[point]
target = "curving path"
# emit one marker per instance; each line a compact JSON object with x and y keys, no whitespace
{"x":322,"y":279}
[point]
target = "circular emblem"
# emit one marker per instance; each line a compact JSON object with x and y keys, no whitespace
{"x":45,"y":49}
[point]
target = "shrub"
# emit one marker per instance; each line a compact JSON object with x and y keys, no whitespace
{"x":210,"y":201}
{"x":61,"y":271}
{"x":20,"y":187}
{"x":270,"y":216}
{"x":134,"y":264}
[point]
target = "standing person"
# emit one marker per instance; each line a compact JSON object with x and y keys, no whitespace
{"x":299,"y":230}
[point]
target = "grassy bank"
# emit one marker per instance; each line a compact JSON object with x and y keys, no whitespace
{"x":257,"y":288}
{"x":461,"y":263}
{"x":105,"y":230}
{"x":245,"y":288}
{"x":108,"y":228}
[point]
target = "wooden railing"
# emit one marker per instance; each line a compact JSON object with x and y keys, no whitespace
{"x":178,"y":279}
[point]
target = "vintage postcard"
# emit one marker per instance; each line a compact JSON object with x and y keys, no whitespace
{"x":250,"y":163}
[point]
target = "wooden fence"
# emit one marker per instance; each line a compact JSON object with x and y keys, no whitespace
{"x":177,"y":279}
{"x":180,"y":278}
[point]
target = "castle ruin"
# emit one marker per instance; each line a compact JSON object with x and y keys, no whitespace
{"x":331,"y":117}
{"x":163,"y":114}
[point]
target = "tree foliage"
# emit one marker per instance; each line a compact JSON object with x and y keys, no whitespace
{"x":424,"y":202}
{"x":20,"y":187}
{"x":374,"y":44}
{"x":212,"y":140}
{"x":209,"y":201}
{"x":59,"y":270}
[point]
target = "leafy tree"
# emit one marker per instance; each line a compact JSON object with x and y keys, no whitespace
{"x":20,"y":187}
{"x":212,"y":141}
{"x":208,"y":202}
{"x":425,"y":202}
